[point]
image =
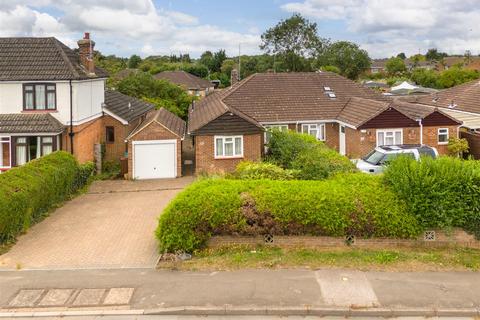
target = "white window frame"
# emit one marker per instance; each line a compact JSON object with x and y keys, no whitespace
{"x":389,"y":131}
{"x":319,"y":127}
{"x":270,"y":127}
{"x":215,"y":138}
{"x":8,"y":142}
{"x":438,"y":136}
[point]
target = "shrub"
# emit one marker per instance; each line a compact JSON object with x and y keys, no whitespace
{"x":321,"y":163}
{"x":29,"y":191}
{"x":348,"y":204}
{"x":262,"y":170}
{"x":441,"y":193}
{"x":283,"y":146}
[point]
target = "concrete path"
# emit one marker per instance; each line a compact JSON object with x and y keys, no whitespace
{"x":112,"y":226}
{"x":248,"y":292}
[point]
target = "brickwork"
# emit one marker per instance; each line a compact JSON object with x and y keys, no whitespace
{"x":457,"y":237}
{"x":86,"y":135}
{"x":332,"y":137}
{"x":154,"y":131}
{"x":116,"y":150}
{"x":205,"y":161}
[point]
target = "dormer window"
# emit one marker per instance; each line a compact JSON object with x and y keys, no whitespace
{"x":39,"y":96}
{"x":327,"y":89}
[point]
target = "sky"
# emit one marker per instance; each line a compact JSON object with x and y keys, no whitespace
{"x":156,"y":27}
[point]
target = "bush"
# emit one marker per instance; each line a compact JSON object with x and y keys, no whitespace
{"x":441,"y":193}
{"x":321,"y":163}
{"x":28,"y":192}
{"x":283,"y":146}
{"x":348,"y":204}
{"x":262,"y":170}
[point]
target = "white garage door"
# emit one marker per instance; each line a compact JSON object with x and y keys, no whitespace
{"x":154,"y":159}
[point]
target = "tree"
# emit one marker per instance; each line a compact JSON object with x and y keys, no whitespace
{"x":425,"y":78}
{"x":134,"y":61}
{"x":206,"y":59}
{"x":433,"y":54}
{"x":293,"y":40}
{"x":395,"y":66}
{"x":198,"y":70}
{"x":218,"y":58}
{"x":455,"y":76}
{"x":468,"y":57}
{"x":457,"y":146}
{"x":228,"y":65}
{"x":347,"y":57}
{"x":402,"y":56}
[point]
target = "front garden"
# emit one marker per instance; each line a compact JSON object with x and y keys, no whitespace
{"x":304,"y":188}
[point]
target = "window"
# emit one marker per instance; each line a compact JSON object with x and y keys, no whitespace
{"x":443,"y":136}
{"x":4,"y":152}
{"x":39,"y":97}
{"x":29,"y":148}
{"x":389,"y":137}
{"x":46,"y":145}
{"x":110,"y":134}
{"x":315,"y":129}
{"x":228,"y":146}
{"x":271,"y":127}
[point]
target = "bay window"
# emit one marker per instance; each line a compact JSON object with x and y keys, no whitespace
{"x":228,"y":146}
{"x":314,"y":129}
{"x":389,"y":137}
{"x":39,"y":96}
{"x":33,"y":147}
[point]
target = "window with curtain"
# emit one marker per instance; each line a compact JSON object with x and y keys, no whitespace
{"x":389,"y":137}
{"x":47,"y":145}
{"x":38,"y":96}
{"x":228,"y":146}
{"x":21,"y":149}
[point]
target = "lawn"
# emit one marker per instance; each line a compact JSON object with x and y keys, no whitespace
{"x":397,"y":259}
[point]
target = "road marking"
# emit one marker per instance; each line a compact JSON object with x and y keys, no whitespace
{"x":346,"y":288}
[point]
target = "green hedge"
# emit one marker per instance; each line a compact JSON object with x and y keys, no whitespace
{"x":262,"y":170}
{"x":28,"y":192}
{"x":347,"y":204}
{"x":441,"y":193}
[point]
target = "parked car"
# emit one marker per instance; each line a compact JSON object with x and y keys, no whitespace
{"x":376,"y":160}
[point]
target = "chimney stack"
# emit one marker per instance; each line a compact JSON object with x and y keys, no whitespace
{"x":86,"y":46}
{"x":234,"y":77}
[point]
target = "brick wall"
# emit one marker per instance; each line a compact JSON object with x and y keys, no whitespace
{"x":86,"y":135}
{"x":155,"y":131}
{"x":205,"y":161}
{"x":115,"y":151}
{"x":361,"y":142}
{"x":332,"y":135}
{"x":457,"y":237}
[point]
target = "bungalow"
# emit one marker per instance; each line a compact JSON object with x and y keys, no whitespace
{"x":230,"y":125}
{"x":195,"y":86}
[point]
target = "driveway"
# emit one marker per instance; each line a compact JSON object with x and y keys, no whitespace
{"x":111,"y":226}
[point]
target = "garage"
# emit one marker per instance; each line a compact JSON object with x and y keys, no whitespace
{"x":155,"y":147}
{"x":154,"y":159}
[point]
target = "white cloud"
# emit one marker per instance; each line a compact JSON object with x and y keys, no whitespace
{"x":390,"y":26}
{"x":123,"y":27}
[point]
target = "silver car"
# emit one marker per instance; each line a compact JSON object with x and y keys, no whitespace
{"x":378,"y":158}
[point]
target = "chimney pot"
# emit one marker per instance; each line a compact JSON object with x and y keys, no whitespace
{"x":86,"y":36}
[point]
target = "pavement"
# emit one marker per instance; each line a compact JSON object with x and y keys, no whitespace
{"x":147,"y":292}
{"x":111,"y":226}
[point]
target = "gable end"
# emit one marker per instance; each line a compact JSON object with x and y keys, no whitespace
{"x":228,"y":123}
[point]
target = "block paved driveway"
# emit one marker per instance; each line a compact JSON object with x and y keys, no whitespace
{"x":111,"y":226}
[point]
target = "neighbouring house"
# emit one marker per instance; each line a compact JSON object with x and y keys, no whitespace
{"x":195,"y":86}
{"x":155,"y":146}
{"x":461,"y":102}
{"x":471,"y":63}
{"x":53,"y":98}
{"x":230,"y":125}
{"x":379,"y":65}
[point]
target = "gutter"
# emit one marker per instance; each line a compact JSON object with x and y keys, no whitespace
{"x":421,"y":130}
{"x":71,"y":134}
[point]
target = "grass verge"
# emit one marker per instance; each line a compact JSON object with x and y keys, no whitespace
{"x":398,"y":259}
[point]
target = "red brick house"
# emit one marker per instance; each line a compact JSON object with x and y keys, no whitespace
{"x":229,"y":126}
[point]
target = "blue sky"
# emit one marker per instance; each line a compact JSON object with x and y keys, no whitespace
{"x":146,"y":27}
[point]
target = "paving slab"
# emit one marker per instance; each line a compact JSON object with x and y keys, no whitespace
{"x":89,"y":297}
{"x":26,"y":298}
{"x":346,"y":288}
{"x":56,"y":297}
{"x":118,"y":296}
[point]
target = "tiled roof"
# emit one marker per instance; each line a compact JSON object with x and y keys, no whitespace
{"x":126,"y":107}
{"x":24,"y":59}
{"x":359,"y":110}
{"x":185,"y":79}
{"x":464,"y":97}
{"x":169,"y":120}
{"x":29,"y":123}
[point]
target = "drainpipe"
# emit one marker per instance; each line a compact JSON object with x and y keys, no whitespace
{"x":71,"y":134}
{"x":421,"y":130}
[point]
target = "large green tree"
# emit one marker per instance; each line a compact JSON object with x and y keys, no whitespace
{"x":347,"y":57}
{"x":293,"y":40}
{"x":395,"y":66}
{"x":134,"y":61}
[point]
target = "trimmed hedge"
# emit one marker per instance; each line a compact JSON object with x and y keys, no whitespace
{"x":28,"y":192}
{"x":348,"y":204}
{"x":441,"y":193}
{"x":262,"y":170}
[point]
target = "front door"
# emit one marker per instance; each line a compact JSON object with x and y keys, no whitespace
{"x":342,"y":147}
